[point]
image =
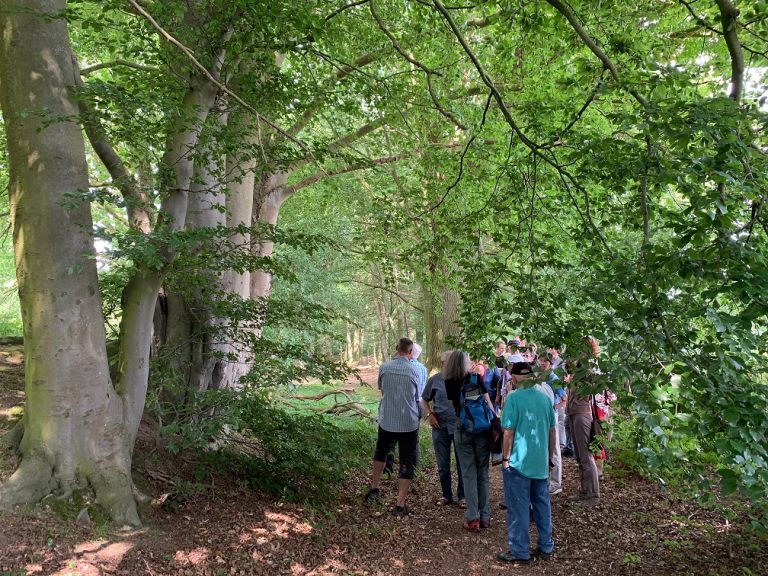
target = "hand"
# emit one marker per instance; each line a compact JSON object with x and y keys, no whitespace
{"x":505,"y":464}
{"x":433,"y":422}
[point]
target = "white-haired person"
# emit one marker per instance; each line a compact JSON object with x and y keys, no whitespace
{"x":413,"y":358}
{"x":441,"y":417}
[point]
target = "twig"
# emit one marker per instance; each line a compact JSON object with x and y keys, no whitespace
{"x":602,"y":56}
{"x":427,"y":71}
{"x":463,"y":154}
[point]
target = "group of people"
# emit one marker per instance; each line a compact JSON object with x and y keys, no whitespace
{"x":522,"y":410}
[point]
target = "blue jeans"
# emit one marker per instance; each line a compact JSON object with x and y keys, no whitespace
{"x":474,"y":452}
{"x":520,"y":493}
{"x":442,"y":441}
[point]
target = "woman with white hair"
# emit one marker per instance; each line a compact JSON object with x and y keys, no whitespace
{"x":441,"y":416}
{"x":473,"y":446}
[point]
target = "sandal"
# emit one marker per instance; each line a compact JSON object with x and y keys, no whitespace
{"x":473,"y":526}
{"x":462,"y":503}
{"x":443,"y":502}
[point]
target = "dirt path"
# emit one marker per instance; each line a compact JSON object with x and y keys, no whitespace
{"x":231,"y":530}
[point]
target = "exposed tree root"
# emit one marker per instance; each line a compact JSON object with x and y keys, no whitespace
{"x":28,"y":485}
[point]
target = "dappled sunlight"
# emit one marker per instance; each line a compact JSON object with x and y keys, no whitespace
{"x":329,"y":568}
{"x":193,"y":557}
{"x":94,"y":557}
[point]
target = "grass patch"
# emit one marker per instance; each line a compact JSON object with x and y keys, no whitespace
{"x":10,"y":314}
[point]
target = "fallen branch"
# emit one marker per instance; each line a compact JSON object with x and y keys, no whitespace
{"x":320,"y":396}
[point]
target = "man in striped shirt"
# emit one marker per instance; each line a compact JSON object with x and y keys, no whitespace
{"x":398,"y":421}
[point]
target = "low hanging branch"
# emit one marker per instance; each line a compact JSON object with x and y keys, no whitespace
{"x":530,"y":144}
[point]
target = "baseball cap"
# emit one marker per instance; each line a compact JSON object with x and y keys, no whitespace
{"x":515,"y":342}
{"x":521,"y":368}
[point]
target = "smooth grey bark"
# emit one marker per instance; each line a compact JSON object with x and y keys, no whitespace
{"x":268,"y":197}
{"x":74,"y":426}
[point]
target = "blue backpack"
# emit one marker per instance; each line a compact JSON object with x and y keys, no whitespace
{"x":475,"y":414}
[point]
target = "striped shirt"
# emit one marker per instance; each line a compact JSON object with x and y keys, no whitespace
{"x":399,"y":385}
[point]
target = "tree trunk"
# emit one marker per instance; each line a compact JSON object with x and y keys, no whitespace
{"x":267,"y":200}
{"x":74,"y":420}
{"x":449,"y":332}
{"x":433,"y":343}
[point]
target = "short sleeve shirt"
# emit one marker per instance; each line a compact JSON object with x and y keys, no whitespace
{"x":399,"y":406}
{"x":442,"y":407}
{"x":530,"y":414}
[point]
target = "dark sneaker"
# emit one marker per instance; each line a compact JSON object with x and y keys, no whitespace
{"x":541,"y":555}
{"x":485,"y":523}
{"x":507,"y":558}
{"x":400,"y":511}
{"x":568,"y":453}
{"x":373,"y":495}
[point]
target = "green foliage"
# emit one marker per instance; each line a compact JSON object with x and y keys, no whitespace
{"x":298,"y":456}
{"x":10,"y":316}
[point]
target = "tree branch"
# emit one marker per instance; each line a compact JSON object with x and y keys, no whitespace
{"x":728,"y":15}
{"x":602,"y":56}
{"x":343,"y":8}
{"x":341,"y":73}
{"x":188,"y":53}
{"x":115,"y":63}
{"x":136,"y":204}
{"x":427,"y":71}
{"x":309,"y":181}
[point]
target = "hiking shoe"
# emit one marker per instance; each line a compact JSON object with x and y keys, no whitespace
{"x":373,"y":495}
{"x":471,"y":526}
{"x":541,"y":555}
{"x":400,"y":511}
{"x":485,"y":523}
{"x":507,"y":558}
{"x":589,"y":502}
{"x":555,"y":491}
{"x":568,"y":453}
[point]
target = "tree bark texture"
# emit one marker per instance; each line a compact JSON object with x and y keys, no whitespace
{"x":268,"y":197}
{"x":74,"y":420}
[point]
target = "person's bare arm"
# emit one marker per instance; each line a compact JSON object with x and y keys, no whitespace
{"x":431,"y":418}
{"x":552,"y":440}
{"x":507,"y":445}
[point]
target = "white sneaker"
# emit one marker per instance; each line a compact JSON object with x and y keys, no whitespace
{"x":555,"y":491}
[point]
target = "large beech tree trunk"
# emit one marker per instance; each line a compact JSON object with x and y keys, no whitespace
{"x":75,"y":422}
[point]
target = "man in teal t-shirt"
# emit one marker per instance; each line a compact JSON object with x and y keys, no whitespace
{"x":529,"y":423}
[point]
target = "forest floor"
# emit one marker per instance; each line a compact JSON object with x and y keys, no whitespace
{"x":229,"y":529}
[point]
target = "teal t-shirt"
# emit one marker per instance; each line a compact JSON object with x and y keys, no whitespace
{"x":530,"y":414}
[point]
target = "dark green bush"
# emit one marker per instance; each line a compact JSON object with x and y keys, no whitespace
{"x":297,"y":456}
